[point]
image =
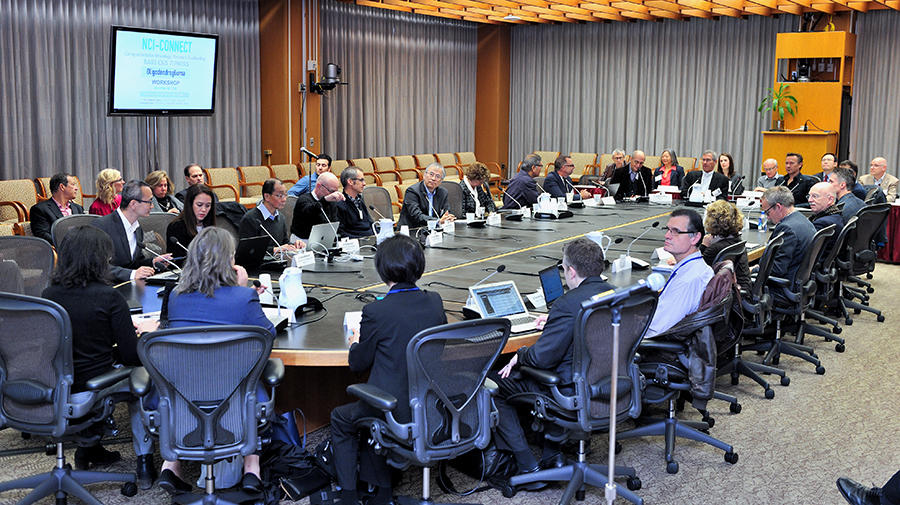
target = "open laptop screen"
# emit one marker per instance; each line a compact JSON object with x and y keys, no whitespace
{"x":551,"y":284}
{"x":498,"y":300}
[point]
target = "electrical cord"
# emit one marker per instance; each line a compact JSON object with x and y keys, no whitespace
{"x":444,"y":284}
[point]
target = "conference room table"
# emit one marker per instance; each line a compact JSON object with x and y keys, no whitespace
{"x":315,"y":350}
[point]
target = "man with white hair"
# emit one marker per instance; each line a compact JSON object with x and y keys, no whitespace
{"x":609,"y":171}
{"x":770,"y":177}
{"x":634,"y":179}
{"x":822,"y":199}
{"x":426,"y":200}
{"x":878,"y":176}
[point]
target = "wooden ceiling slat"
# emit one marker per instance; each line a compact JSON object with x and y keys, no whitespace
{"x":771,"y":4}
{"x":540,"y":10}
{"x":827,"y":8}
{"x":726,"y":11}
{"x":435,"y":3}
{"x":538,"y":3}
{"x":697,"y":13}
{"x":479,"y":19}
{"x":732,"y":4}
{"x":758,"y":10}
{"x":380,"y":5}
{"x":663,"y":5}
{"x":638,"y":15}
{"x":859,"y":6}
{"x":471,"y":3}
{"x":485,"y":12}
{"x":435,"y":13}
{"x":580,"y":17}
{"x":665,"y":14}
{"x":554,"y":17}
{"x":571,"y":9}
{"x":502,"y":3}
{"x":630,"y":6}
{"x":701,"y":5}
{"x":512,"y":21}
{"x":791,"y":8}
{"x":608,"y":15}
{"x":411,"y":5}
{"x":601,"y":8}
{"x":456,"y":12}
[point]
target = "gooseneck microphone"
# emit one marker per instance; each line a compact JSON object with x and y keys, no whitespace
{"x":263,"y":228}
{"x":511,"y":197}
{"x":653,"y":282}
{"x":160,"y":256}
{"x":732,"y":187}
{"x":380,"y":215}
{"x":653,"y":225}
{"x":499,"y":269}
{"x":322,"y":210}
{"x":174,"y":240}
{"x":309,"y":153}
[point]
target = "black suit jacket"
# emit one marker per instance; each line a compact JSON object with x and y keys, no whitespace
{"x":386,"y":328}
{"x":799,"y":187}
{"x":308,"y":212}
{"x":122,"y":262}
{"x":558,"y":187}
{"x":554,"y":348}
{"x":352,"y":224}
{"x":719,"y":181}
{"x":414,"y":211}
{"x":43,"y":214}
{"x":642,"y":186}
{"x":798,"y":235}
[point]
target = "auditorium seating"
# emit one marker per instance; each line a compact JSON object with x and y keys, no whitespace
{"x":287,"y":172}
{"x":16,"y":198}
{"x":253,"y":178}
{"x":584,"y":162}
{"x":651,"y":162}
{"x":452,"y":171}
{"x":338,"y":166}
{"x":224,"y":183}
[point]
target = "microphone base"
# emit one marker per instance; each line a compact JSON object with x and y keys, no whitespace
{"x":514,"y":217}
{"x":639,"y":264}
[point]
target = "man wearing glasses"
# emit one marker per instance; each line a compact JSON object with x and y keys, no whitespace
{"x":690,"y":275}
{"x":267,"y":215}
{"x":634,"y":179}
{"x":128,"y":261}
{"x":352,"y":212}
{"x":559,"y":183}
{"x":318,"y":206}
{"x":778,"y":205}
{"x":426,"y":200}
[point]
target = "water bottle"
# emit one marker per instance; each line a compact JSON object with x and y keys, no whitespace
{"x":763,"y":223}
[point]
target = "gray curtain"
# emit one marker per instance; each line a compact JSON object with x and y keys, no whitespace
{"x":54,"y":59}
{"x":412,"y":81}
{"x":875,"y":116}
{"x":689,"y":86}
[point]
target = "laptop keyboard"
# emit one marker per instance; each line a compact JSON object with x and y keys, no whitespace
{"x":521,"y":320}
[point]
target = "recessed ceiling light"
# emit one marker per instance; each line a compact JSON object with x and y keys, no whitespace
{"x":510,"y":17}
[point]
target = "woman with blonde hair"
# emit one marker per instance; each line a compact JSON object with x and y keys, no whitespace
{"x":109,"y":189}
{"x":723,"y":225}
{"x":163,"y":189}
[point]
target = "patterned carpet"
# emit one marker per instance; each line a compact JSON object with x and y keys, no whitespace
{"x":791,"y":448}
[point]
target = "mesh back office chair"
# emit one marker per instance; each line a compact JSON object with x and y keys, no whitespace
{"x":206,"y":379}
{"x":154,"y":227}
{"x":451,"y":408}
{"x":29,"y":259}
{"x":378,"y":197}
{"x":61,"y":226}
{"x":288,"y":212}
{"x":586,"y":409}
{"x":454,"y":198}
{"x":36,"y":375}
{"x":828,"y":290}
{"x":860,"y":259}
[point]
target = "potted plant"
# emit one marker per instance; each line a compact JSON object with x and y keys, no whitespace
{"x":778,"y":102}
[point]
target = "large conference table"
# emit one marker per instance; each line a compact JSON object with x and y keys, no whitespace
{"x":315,"y":352}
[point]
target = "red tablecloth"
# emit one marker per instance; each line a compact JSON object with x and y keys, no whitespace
{"x":891,"y":251}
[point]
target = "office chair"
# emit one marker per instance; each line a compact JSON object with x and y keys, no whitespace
{"x":154,"y":226}
{"x":61,"y":226}
{"x":454,"y":198}
{"x":29,"y":259}
{"x":584,"y":407}
{"x":828,"y":290}
{"x":694,"y":339}
{"x":36,"y":376}
{"x":860,"y":259}
{"x":451,"y":407}
{"x":206,"y":381}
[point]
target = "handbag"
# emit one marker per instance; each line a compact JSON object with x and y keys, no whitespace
{"x":285,"y":429}
{"x":493,"y":467}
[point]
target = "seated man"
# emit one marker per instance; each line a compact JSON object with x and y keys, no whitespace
{"x":769,"y":178}
{"x":829,"y":161}
{"x":795,"y":181}
{"x":352,"y":213}
{"x":318,"y":206}
{"x":582,"y":265}
{"x":822,"y":197}
{"x":266,"y":217}
{"x":859,"y":494}
{"x":857,"y":189}
{"x":323,"y":164}
{"x":778,"y":205}
{"x":634,"y":179}
{"x":426,"y":200}
{"x":878,"y":176}
{"x":690,"y":275}
{"x":63,"y":189}
{"x":843,"y":179}
{"x":193,"y":175}
{"x":559,"y":183}
{"x":522,"y":191}
{"x":618,"y":156}
{"x":706,"y":179}
{"x":128,"y":261}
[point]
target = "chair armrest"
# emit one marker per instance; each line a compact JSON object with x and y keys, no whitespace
{"x":543,"y":376}
{"x":20,"y":215}
{"x":491,"y":387}
{"x":602,"y":389}
{"x":374,"y":396}
{"x":86,"y":195}
{"x":139,"y":382}
{"x":107,"y":379}
{"x":273,"y":372}
{"x":229,"y":186}
{"x":778,"y":281}
{"x":660,"y":345}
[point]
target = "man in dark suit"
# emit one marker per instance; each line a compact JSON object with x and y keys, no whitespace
{"x":266,"y":218}
{"x":352,"y":212}
{"x":193,"y":175}
{"x":633,"y":179}
{"x":63,"y":188}
{"x":798,"y":183}
{"x":706,"y":179}
{"x":312,"y":207}
{"x":128,"y":261}
{"x":559,"y":183}
{"x":582,"y":265}
{"x":426,"y":200}
{"x":522,"y":191}
{"x":822,"y":198}
{"x":778,"y":205}
{"x":843,"y":180}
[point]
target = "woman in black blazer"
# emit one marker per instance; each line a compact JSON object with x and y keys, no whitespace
{"x":199,"y":212}
{"x":379,"y":347}
{"x":669,"y":172}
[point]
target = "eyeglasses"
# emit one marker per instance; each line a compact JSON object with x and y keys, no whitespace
{"x":766,"y":211}
{"x":146,"y":201}
{"x":279,"y":195}
{"x":357,"y":178}
{"x":434,"y":175}
{"x":676,"y":231}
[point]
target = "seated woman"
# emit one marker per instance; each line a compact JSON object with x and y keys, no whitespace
{"x":669,"y":173}
{"x":109,"y":189}
{"x":475,"y":194}
{"x":387,"y":326}
{"x":199,"y":212}
{"x":726,"y":167}
{"x":212,"y":290}
{"x":102,"y":332}
{"x":163,"y":193}
{"x":723,"y":227}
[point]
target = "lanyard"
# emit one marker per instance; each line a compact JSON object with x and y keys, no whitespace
{"x":401,"y":290}
{"x":679,"y":268}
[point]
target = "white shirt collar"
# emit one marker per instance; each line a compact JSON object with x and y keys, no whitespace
{"x":265,"y":212}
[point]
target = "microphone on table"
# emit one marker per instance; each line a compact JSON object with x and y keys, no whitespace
{"x":309,"y":153}
{"x":625,"y":261}
{"x":470,"y":310}
{"x":653,"y":282}
{"x":496,"y":271}
{"x":174,"y":240}
{"x":542,"y":188}
{"x":512,"y":217}
{"x":322,"y":210}
{"x":733,"y":187}
{"x":380,"y":215}
{"x":160,"y":256}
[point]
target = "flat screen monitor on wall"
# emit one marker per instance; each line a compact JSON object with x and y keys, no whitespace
{"x":161,"y":73}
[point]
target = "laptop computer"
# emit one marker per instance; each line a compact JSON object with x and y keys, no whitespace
{"x":251,"y":251}
{"x":551,"y":284}
{"x":502,"y":299}
{"x":322,"y":238}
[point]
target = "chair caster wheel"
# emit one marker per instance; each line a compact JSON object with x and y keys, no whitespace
{"x":736,"y":408}
{"x":508,"y":491}
{"x":857,"y":311}
{"x":672,"y":467}
{"x":770,"y":393}
{"x":880,"y":318}
{"x":870,"y":290}
{"x":785,"y":381}
{"x":62,"y":501}
{"x":820,"y":370}
{"x":837,"y":330}
{"x":734,"y":380}
{"x":839,"y":347}
{"x":129,"y":489}
{"x":50,"y":449}
{"x":711,"y":421}
{"x":731,"y":457}
{"x":633,"y":483}
{"x":579,"y":495}
{"x":848,"y":321}
{"x":618,"y":447}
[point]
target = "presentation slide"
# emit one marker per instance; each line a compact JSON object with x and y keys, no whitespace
{"x":155,"y":71}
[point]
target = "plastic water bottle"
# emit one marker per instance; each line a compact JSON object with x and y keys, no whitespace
{"x":763,"y":223}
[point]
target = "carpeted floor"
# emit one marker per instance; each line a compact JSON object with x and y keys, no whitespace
{"x":791,"y":448}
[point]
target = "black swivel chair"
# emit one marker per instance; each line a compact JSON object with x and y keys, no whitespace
{"x":206,"y":379}
{"x":454,"y":198}
{"x":25,"y":265}
{"x":61,"y":226}
{"x":36,"y":376}
{"x":450,"y":403}
{"x":860,"y":259}
{"x":828,"y":289}
{"x":582,"y":408}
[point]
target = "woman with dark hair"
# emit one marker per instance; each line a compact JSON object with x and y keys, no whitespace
{"x":163,"y":192}
{"x":475,"y":194}
{"x":199,"y":212}
{"x":379,"y":347}
{"x":213,"y":290}
{"x":723,"y":226}
{"x":669,"y":172}
{"x":102,"y":331}
{"x":725,"y":167}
